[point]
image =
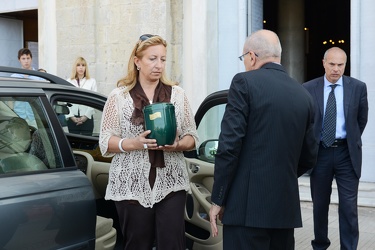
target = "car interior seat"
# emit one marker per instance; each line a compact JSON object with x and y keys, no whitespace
{"x":105,"y":234}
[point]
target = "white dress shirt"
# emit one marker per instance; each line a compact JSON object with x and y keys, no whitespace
{"x":82,"y":110}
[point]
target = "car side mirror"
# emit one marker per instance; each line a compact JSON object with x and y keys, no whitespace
{"x":207,"y":150}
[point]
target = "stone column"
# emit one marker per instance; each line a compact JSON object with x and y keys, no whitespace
{"x":47,"y":35}
{"x":291,"y":24}
{"x":362,"y":67}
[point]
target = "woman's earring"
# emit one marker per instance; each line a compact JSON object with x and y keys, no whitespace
{"x":138,"y":68}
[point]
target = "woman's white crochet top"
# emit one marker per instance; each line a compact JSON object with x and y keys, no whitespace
{"x":129,"y":171}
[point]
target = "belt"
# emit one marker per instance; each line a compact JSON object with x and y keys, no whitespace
{"x":337,"y":143}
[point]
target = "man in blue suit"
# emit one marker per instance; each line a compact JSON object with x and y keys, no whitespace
{"x":266,"y":142}
{"x":342,"y":158}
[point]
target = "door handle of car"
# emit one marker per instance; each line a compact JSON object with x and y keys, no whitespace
{"x":202,"y":197}
{"x":194,"y":168}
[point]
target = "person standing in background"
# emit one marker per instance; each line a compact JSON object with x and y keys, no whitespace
{"x":23,"y":109}
{"x":266,"y":143}
{"x":339,"y":130}
{"x":25,"y":57}
{"x":80,"y":119}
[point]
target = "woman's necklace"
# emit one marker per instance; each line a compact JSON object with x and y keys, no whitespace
{"x":150,"y":99}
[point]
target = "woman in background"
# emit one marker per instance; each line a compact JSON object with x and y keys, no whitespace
{"x":80,"y":119}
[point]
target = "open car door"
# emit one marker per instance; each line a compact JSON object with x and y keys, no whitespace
{"x":200,"y":165}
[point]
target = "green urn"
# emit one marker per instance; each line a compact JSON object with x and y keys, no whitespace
{"x":160,"y":118}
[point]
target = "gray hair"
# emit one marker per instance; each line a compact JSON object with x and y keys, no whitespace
{"x":264,"y":43}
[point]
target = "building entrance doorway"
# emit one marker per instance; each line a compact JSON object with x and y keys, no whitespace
{"x":327,"y":24}
{"x":19,"y":29}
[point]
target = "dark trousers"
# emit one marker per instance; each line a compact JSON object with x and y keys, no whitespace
{"x":163,"y":224}
{"x":335,"y":162}
{"x":85,"y":128}
{"x":250,"y":238}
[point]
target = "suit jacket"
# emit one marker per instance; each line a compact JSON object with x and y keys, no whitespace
{"x":266,"y":142}
{"x":355,"y":111}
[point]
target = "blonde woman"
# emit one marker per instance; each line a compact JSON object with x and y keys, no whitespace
{"x":147,"y":182}
{"x":80,"y":120}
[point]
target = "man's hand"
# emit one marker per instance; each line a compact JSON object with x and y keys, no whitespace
{"x":216,"y":212}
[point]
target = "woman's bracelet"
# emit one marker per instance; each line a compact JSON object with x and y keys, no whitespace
{"x":120,"y":145}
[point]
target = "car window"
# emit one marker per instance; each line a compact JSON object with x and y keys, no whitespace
{"x":81,"y":139}
{"x":208,"y":131}
{"x":26,"y":138}
{"x":76,"y":110}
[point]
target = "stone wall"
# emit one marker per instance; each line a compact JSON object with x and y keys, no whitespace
{"x":104,"y":32}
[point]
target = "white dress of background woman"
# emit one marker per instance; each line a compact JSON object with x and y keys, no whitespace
{"x":81,"y":114}
{"x":89,"y":84}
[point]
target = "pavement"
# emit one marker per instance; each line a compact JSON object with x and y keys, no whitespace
{"x":366,"y":213}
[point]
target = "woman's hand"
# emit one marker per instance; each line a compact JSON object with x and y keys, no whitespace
{"x":142,"y":142}
{"x":79,"y":120}
{"x":173,"y":147}
{"x":83,"y":118}
{"x":117,"y":144}
{"x":76,"y":120}
{"x":186,"y":143}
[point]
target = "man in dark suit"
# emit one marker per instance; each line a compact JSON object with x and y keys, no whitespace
{"x":342,"y":158}
{"x":266,"y":142}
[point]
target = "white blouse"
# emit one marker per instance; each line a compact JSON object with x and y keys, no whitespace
{"x":82,"y":110}
{"x":129,"y":171}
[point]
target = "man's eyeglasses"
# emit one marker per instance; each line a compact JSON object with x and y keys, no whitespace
{"x":144,"y":37}
{"x":242,"y":56}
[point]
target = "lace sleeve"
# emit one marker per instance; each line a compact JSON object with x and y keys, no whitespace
{"x":185,"y":116}
{"x":110,"y":124}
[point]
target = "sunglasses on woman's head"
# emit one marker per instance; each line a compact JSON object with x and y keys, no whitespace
{"x":145,"y":37}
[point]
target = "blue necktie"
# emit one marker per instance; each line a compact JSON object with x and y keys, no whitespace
{"x":329,"y":123}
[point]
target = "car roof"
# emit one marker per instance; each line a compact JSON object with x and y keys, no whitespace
{"x":48,"y":78}
{"x":50,"y":81}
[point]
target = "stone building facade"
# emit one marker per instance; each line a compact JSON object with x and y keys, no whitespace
{"x":104,"y":33}
{"x":205,"y":38}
